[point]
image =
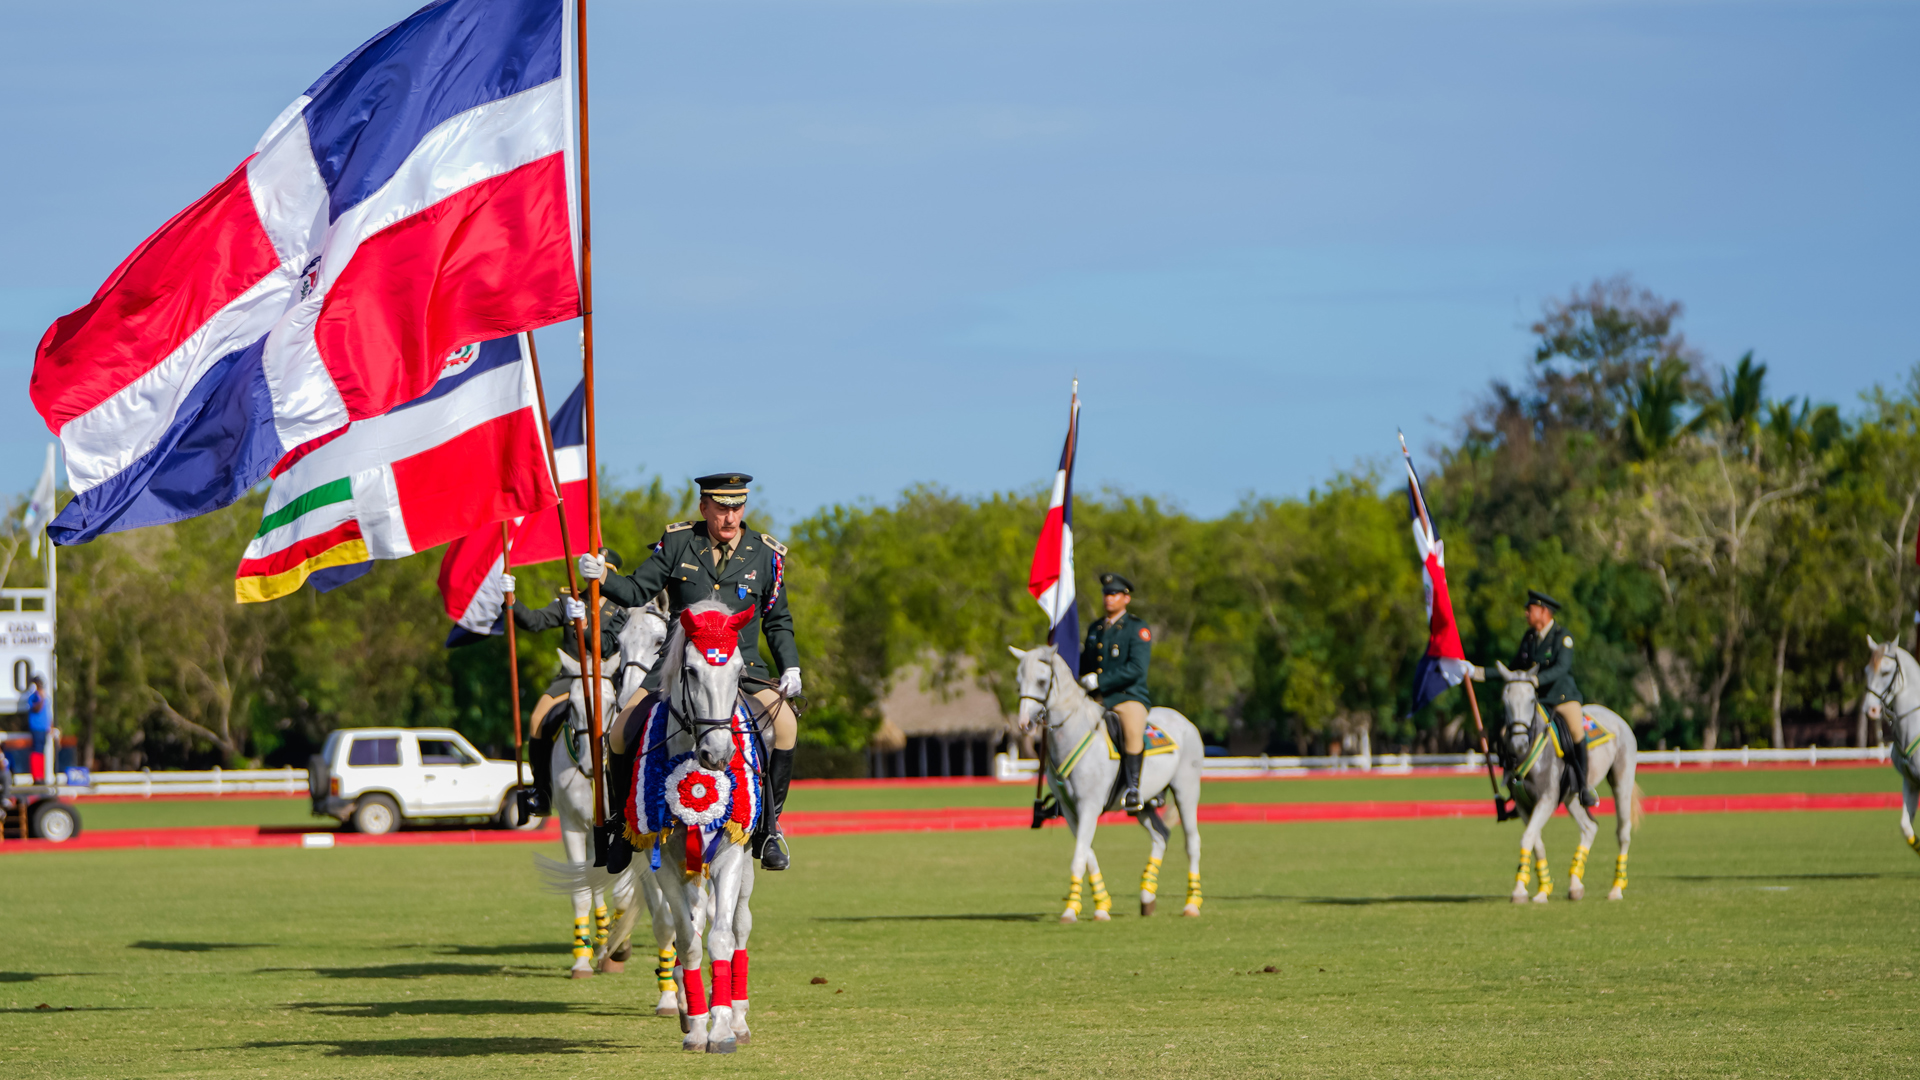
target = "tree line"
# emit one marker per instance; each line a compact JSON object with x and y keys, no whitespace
{"x":1721,"y":552}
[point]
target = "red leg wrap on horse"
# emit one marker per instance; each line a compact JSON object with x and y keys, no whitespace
{"x":696,"y":993}
{"x":722,"y":984}
{"x":739,"y":974}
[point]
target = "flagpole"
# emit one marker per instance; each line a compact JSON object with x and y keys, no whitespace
{"x":559,"y":507}
{"x":586,"y":365}
{"x":513,"y":655}
{"x":1473,"y":702}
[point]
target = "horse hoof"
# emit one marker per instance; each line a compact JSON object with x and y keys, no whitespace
{"x":1576,"y":891}
{"x":742,"y":1038}
{"x":717,"y":1046}
{"x":692,"y":1047}
{"x":666,"y":1010}
{"x":1542,"y":898}
{"x":1519,"y":896}
{"x":612,"y":967}
{"x":1616,"y":894}
{"x":582,"y":973}
{"x":1068,"y":916}
{"x":1191,"y":911}
{"x":1146,"y":908}
{"x":1100,"y":915}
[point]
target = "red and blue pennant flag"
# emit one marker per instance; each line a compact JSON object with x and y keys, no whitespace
{"x":470,"y":568}
{"x":465,"y":454}
{"x":418,"y":198}
{"x":1445,"y":662}
{"x":1051,"y":579}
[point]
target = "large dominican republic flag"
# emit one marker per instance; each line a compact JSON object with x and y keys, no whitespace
{"x":1051,"y":579}
{"x":466,"y":453}
{"x":1445,"y":662}
{"x":418,"y":198}
{"x":469,"y":571}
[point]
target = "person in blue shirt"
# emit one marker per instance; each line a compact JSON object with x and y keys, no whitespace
{"x":39,"y":722}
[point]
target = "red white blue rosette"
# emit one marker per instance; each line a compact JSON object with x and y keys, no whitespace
{"x":697,"y":796}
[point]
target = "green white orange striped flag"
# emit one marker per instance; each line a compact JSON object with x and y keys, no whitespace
{"x":466,"y":453}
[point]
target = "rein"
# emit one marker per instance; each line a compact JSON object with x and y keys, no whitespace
{"x":1890,"y":720}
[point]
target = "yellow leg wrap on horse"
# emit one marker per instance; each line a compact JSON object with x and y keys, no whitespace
{"x":1150,"y":877}
{"x":663,"y":971}
{"x":600,"y":926}
{"x":1525,"y":873}
{"x":1579,"y":863}
{"x":1914,"y":842}
{"x":1193,"y":890}
{"x":582,"y":938}
{"x":1101,"y":901}
{"x":1073,"y":897}
{"x":1620,"y":871}
{"x":1546,"y":881}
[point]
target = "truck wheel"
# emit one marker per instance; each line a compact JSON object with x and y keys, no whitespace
{"x":509,"y":816}
{"x":55,"y":821}
{"x":375,"y":815}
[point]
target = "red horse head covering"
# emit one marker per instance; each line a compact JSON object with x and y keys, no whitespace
{"x":715,"y":633}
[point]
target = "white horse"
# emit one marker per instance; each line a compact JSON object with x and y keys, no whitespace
{"x":1539,"y":781}
{"x":1893,"y":699}
{"x":1081,"y":771}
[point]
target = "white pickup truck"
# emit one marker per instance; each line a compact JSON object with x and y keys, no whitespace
{"x":375,"y":779}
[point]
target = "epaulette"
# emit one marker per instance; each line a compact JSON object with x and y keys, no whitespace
{"x":778,"y":548}
{"x":679,"y":526}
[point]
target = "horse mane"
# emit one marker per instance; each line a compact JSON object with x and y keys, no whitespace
{"x":675,"y":656}
{"x":1065,"y":677}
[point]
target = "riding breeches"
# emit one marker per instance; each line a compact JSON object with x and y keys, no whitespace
{"x":1576,"y":725}
{"x":1133,"y":722}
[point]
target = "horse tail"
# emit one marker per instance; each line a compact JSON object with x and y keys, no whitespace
{"x":1639,"y":805}
{"x":567,"y":879}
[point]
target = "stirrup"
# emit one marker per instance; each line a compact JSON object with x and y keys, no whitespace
{"x":774,"y":854}
{"x":1130,"y":801}
{"x":1589,"y":798}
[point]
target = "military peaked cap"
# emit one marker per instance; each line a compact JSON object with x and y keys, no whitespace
{"x":1535,"y":596}
{"x":610,"y":556}
{"x":1113,"y":583}
{"x":727,"y":489}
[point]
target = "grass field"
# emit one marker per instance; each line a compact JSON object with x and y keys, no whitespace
{"x":1751,"y":945}
{"x":175,"y":813}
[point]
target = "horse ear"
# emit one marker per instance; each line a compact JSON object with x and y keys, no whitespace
{"x":740,"y":618}
{"x":686,"y":622}
{"x":1502,"y":668}
{"x":1872,"y":644}
{"x":1018,"y":654}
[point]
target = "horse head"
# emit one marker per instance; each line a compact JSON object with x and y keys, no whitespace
{"x":704,"y":668}
{"x":1519,"y":698}
{"x":1885,"y":679}
{"x":1036,"y":680}
{"x":642,"y":641}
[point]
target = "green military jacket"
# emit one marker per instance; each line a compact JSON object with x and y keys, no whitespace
{"x":612,"y":618}
{"x":1118,"y":650}
{"x":1552,"y":651}
{"x":754,"y":577}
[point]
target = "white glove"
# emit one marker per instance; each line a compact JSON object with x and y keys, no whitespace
{"x":506,"y":583}
{"x":576,"y":610}
{"x":1479,"y":673}
{"x":790,"y":682}
{"x":592,"y":568}
{"x":1091,"y":681}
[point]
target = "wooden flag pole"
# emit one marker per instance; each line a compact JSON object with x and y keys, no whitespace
{"x":586,"y":368}
{"x":560,"y":507}
{"x":1499,"y":803}
{"x":513,"y":655}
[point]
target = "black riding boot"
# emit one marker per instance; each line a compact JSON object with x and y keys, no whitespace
{"x":1130,"y":783}
{"x":768,"y":844}
{"x":612,"y":837}
{"x":1577,"y":766}
{"x":540,"y":763}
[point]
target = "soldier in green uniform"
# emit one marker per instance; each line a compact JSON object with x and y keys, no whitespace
{"x":561,"y":614}
{"x":1548,"y":648}
{"x":717,"y":558}
{"x":1113,"y":667}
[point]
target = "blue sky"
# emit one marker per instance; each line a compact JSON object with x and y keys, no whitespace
{"x":851,"y":245}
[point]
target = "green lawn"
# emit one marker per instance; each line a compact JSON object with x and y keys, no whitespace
{"x":1751,"y":945}
{"x":174,"y":813}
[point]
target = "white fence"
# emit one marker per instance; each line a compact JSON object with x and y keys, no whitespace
{"x":212,"y":782}
{"x":1013,"y":769}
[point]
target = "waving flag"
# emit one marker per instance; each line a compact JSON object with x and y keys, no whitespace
{"x":1051,"y":579}
{"x":1445,"y":662}
{"x":466,"y":453}
{"x":469,"y":571}
{"x":416,"y":199}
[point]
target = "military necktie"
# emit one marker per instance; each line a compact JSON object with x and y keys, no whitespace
{"x":720,"y":554}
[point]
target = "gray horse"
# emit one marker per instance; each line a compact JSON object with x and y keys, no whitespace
{"x":1081,"y":772}
{"x":1539,"y":781}
{"x":1893,"y":699}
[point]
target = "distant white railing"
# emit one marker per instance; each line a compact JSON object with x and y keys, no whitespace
{"x":146,"y":782}
{"x":1013,"y":769}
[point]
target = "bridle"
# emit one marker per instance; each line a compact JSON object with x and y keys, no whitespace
{"x":1889,"y":719}
{"x":1044,"y":717}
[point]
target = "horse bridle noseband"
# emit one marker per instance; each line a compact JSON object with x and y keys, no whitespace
{"x":1046,"y":713}
{"x":1890,"y":720}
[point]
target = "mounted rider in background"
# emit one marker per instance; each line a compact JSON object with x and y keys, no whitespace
{"x":1113,"y":667}
{"x":1548,"y":648}
{"x":716,"y":558}
{"x":564,"y":612}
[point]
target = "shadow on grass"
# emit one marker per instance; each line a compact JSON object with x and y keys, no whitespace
{"x":374,"y":1010}
{"x":1006,"y":917}
{"x":474,"y":1047}
{"x":195,"y":946}
{"x":541,"y":948}
{"x":394,"y":971}
{"x":1776,"y":877}
{"x":1367,"y":901}
{"x":35,"y":976}
{"x":76,"y":1008}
